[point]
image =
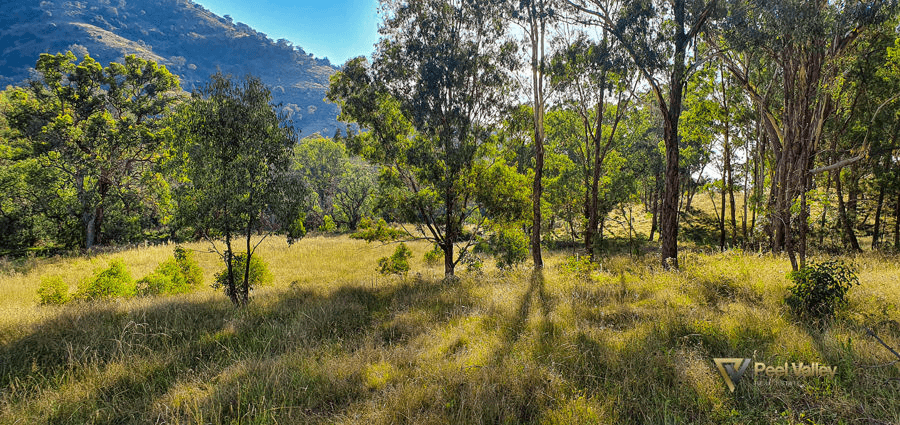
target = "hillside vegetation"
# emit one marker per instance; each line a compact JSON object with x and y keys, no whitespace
{"x":331,"y":341}
{"x":189,"y":40}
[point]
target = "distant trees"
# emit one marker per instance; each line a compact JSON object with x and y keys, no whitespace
{"x":345,"y":187}
{"x":237,"y":154}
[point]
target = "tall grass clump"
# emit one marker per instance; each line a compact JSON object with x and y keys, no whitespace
{"x":177,"y":275}
{"x":112,"y":282}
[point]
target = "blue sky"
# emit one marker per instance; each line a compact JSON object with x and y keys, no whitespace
{"x":337,"y":29}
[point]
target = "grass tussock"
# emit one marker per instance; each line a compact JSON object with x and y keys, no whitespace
{"x":333,"y":341}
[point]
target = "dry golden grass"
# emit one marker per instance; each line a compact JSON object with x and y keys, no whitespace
{"x":331,"y":341}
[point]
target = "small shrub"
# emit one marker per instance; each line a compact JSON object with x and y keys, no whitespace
{"x":177,"y":275}
{"x":370,"y":231}
{"x":53,"y":291}
{"x":190,"y":269}
{"x":509,"y":246}
{"x":398,"y":263}
{"x":156,"y":283}
{"x":328,"y":225}
{"x":580,"y":266}
{"x":473,"y":262}
{"x":113,"y":282}
{"x":820,"y":288}
{"x":259,"y":272}
{"x":435,"y":256}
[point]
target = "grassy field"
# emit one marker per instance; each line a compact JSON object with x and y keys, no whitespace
{"x":331,"y":341}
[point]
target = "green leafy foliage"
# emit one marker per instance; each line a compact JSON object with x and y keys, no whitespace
{"x":328,"y":225}
{"x":371,"y":231}
{"x":427,"y":120}
{"x":509,"y":245}
{"x":112,"y":282}
{"x":177,"y":275}
{"x":435,"y":256}
{"x":53,"y":291}
{"x":236,"y":151}
{"x":398,"y":263}
{"x":259,"y":274}
{"x":99,"y":130}
{"x":820,"y":288}
{"x":580,"y":266}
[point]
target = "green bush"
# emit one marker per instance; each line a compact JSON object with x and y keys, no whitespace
{"x":398,"y":263}
{"x":435,"y":256}
{"x":820,"y":288}
{"x":580,"y":266}
{"x":113,"y":282}
{"x":190,"y":269}
{"x":509,"y":246}
{"x":177,"y":275}
{"x":53,"y":291}
{"x":259,"y":272}
{"x":370,"y":231}
{"x":328,"y":225}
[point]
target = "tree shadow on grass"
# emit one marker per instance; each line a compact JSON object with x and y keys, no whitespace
{"x":124,"y":363}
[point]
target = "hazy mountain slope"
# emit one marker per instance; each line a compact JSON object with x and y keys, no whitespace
{"x":190,"y":40}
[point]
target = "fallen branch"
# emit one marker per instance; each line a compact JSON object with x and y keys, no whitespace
{"x":869,"y":331}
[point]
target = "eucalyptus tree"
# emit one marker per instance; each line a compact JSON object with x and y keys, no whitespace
{"x":657,"y":35}
{"x":805,"y":41}
{"x":236,"y":151}
{"x":98,"y":129}
{"x":429,"y":100}
{"x":534,"y":16}
{"x":593,"y":74}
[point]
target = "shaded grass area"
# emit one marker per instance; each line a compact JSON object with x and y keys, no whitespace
{"x":624,"y":343}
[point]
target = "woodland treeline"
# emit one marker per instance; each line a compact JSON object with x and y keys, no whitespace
{"x":785,"y":111}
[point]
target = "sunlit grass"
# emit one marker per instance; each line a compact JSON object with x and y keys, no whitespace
{"x":332,"y":341}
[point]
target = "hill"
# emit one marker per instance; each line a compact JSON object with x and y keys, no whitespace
{"x":191,"y":41}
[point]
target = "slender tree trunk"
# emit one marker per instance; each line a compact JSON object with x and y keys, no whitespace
{"x":654,"y":207}
{"x":672,"y":114}
{"x":824,"y":220}
{"x":722,"y":217}
{"x":730,"y":183}
{"x":595,"y":182}
{"x":746,"y":189}
{"x":897,"y":224}
{"x":245,"y":285}
{"x":90,"y":222}
{"x":876,"y":232}
{"x":852,"y":203}
{"x":537,"y":80}
{"x":849,"y":234}
{"x":727,"y":171}
{"x":229,"y":264}
{"x":669,"y":217}
{"x":449,"y":234}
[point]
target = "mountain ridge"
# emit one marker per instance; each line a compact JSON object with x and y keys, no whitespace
{"x":191,"y":41}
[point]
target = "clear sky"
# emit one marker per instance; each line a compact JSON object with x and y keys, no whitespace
{"x":336,"y":29}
